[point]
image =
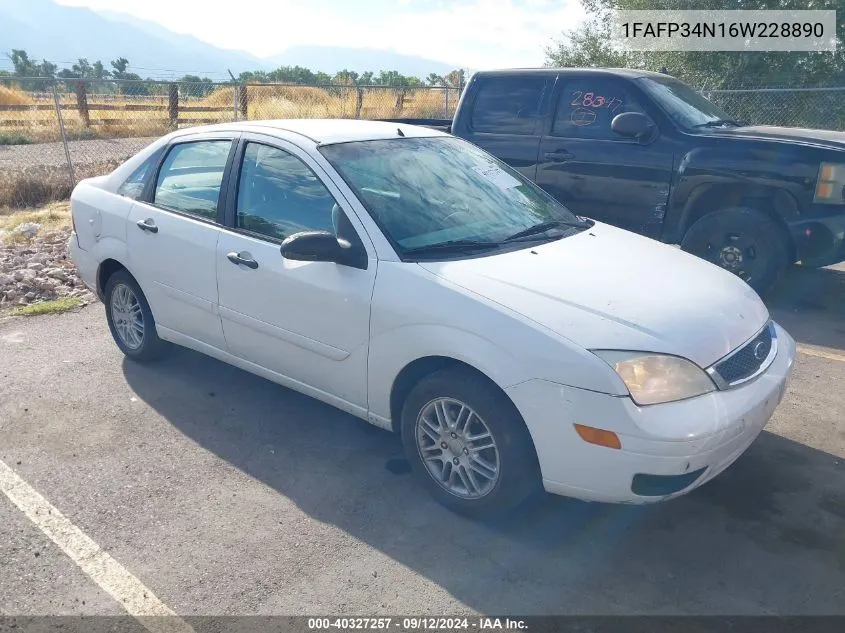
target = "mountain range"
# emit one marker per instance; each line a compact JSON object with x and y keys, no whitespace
{"x":63,"y":34}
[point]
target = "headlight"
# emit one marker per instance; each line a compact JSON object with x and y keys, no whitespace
{"x":656,"y":378}
{"x":830,"y":186}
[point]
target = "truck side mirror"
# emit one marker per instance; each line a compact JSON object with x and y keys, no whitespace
{"x":635,"y":125}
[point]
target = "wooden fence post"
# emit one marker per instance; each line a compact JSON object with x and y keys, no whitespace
{"x":359,"y":98}
{"x":243,"y":99}
{"x":82,"y":103}
{"x":173,"y":106}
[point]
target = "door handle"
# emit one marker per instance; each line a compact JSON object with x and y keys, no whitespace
{"x":147,"y":225}
{"x":236,"y":259}
{"x":559,"y":155}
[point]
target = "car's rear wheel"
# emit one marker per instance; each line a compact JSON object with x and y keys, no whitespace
{"x":131,"y":320}
{"x":468,"y":444}
{"x":743,"y":241}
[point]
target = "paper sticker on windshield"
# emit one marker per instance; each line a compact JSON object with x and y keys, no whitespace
{"x":496,"y":175}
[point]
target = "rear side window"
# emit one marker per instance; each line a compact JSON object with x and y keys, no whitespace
{"x":587,"y":106}
{"x":190,"y":178}
{"x":508,"y":105}
{"x":133,"y":187}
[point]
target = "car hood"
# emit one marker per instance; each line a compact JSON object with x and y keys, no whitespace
{"x":827,"y":138}
{"x":606,"y":288}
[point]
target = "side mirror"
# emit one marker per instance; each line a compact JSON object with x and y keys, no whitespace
{"x":322,"y":246}
{"x":634,"y":125}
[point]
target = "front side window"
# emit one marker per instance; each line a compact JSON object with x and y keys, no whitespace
{"x":190,"y":178}
{"x":133,"y":187}
{"x":279,"y":195}
{"x":433,"y":191}
{"x":508,"y":105}
{"x":587,"y":106}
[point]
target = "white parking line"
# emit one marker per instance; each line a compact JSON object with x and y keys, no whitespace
{"x":111,"y":576}
{"x":820,"y":353}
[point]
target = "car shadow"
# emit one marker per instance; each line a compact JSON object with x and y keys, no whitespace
{"x":767,"y":536}
{"x":810,"y":304}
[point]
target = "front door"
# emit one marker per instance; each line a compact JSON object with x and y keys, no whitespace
{"x":172,"y":239}
{"x":594,"y":171}
{"x":305,"y":321}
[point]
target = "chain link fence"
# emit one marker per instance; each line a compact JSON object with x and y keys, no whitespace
{"x":789,"y":107}
{"x":55,"y":132}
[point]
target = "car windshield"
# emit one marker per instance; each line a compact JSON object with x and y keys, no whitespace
{"x":441,"y":192}
{"x":683,"y":104}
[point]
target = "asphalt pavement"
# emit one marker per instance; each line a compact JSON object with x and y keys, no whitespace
{"x":222,"y":493}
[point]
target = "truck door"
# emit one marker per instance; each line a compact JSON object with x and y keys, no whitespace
{"x":504,"y":118}
{"x":595,"y":172}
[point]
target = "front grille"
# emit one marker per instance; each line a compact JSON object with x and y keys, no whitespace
{"x":748,"y":359}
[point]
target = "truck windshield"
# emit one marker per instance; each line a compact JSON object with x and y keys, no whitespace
{"x":434,"y":195}
{"x":683,"y":104}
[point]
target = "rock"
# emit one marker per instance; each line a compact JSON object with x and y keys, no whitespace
{"x":56,"y":273}
{"x":6,"y":280}
{"x":24,"y":275}
{"x":35,"y":266}
{"x":28,"y":229}
{"x":30,"y":296}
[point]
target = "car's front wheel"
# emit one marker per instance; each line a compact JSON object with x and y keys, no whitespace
{"x":743,"y":241}
{"x":131,"y":320}
{"x":468,"y":444}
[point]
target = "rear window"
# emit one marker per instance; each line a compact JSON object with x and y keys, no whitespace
{"x":508,"y":105}
{"x":133,"y":187}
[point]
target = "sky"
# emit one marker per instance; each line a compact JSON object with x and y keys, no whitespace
{"x":476,"y":34}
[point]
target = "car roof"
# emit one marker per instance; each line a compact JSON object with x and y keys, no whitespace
{"x":631,"y":73}
{"x":324,"y":131}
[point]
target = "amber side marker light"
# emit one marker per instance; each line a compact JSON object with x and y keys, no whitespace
{"x":591,"y":435}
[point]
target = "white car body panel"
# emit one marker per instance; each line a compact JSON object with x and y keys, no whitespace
{"x":579,"y":288}
{"x":526,"y":319}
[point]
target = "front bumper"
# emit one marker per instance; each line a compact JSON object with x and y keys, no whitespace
{"x":819,"y":236}
{"x":671,"y":441}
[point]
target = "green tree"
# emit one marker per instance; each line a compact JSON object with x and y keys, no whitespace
{"x":434,"y":79}
{"x":589,"y":45}
{"x":293,"y":75}
{"x":196,"y":86}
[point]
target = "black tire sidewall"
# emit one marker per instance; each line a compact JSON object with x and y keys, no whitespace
{"x":519,"y":471}
{"x":152,"y":347}
{"x":773,"y":245}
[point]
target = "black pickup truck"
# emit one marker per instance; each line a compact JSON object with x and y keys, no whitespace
{"x":647,"y":153}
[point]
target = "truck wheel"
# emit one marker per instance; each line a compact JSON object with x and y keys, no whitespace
{"x":469,"y":445}
{"x":743,"y":241}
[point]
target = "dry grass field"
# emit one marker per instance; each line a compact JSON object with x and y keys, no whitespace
{"x":33,"y":172}
{"x":119,"y":116}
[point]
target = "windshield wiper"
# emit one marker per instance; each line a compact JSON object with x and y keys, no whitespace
{"x":720,"y":122}
{"x":451,"y":245}
{"x":543,"y":227}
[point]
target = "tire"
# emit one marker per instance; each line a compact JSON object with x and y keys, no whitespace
{"x":743,"y":241}
{"x":518,"y":473}
{"x":122,"y":295}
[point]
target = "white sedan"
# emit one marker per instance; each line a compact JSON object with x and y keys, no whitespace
{"x":411,"y":279}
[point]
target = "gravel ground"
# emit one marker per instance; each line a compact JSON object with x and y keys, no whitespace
{"x":81,"y":152}
{"x":39,"y":270}
{"x":226,"y":494}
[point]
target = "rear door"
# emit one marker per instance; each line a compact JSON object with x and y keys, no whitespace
{"x":594,"y":171}
{"x":172,"y":237}
{"x":504,"y":117}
